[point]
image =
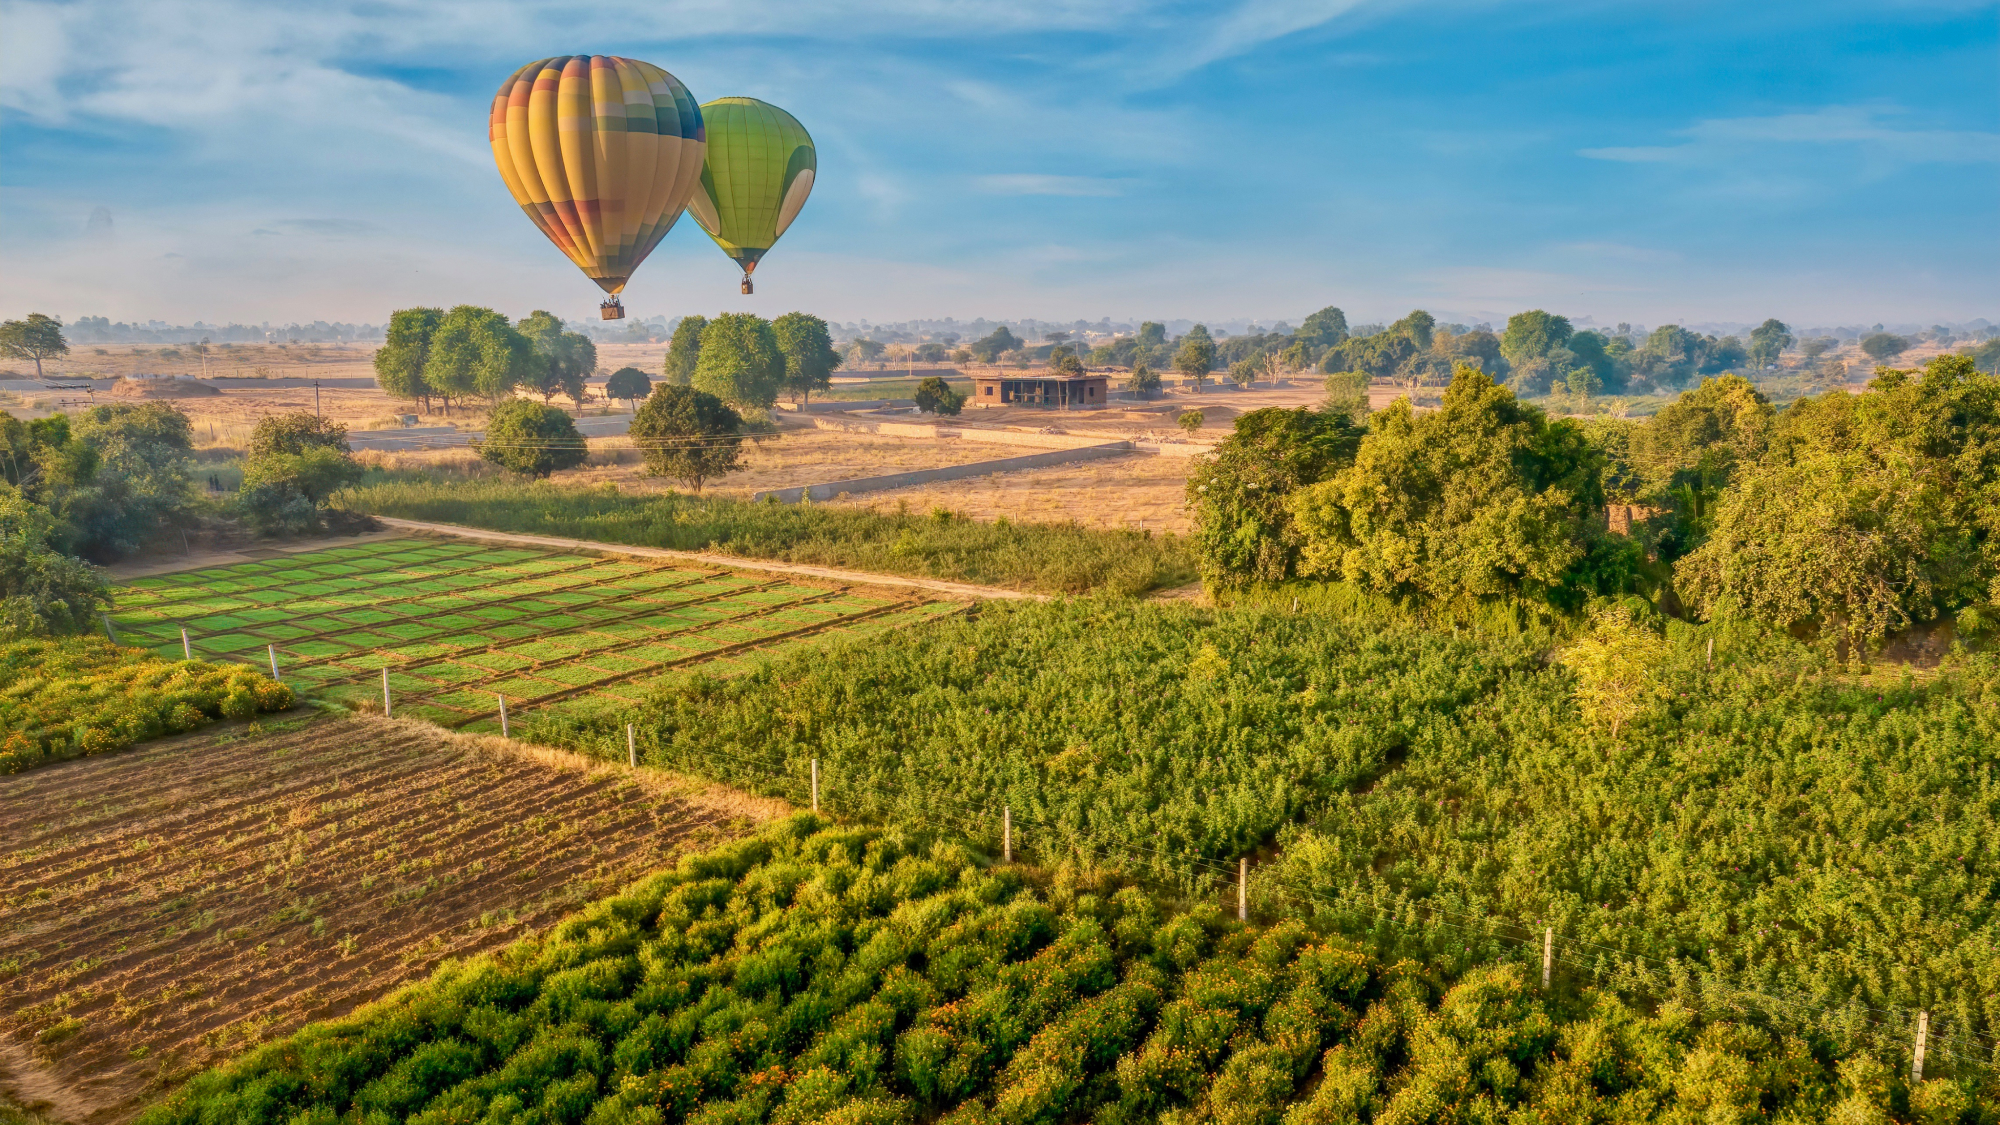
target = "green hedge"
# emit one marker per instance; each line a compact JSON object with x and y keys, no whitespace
{"x":84,"y":695}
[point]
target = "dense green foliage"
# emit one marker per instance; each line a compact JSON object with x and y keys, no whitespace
{"x":110,"y":477}
{"x":1763,"y":824}
{"x":567,"y":358}
{"x":688,"y":435}
{"x":740,"y":362}
{"x":37,"y":338}
{"x":297,"y":462}
{"x":1054,"y":558}
{"x":684,"y":351}
{"x":531,"y":439}
{"x":818,"y":974}
{"x":42,"y":591}
{"x":84,"y":695}
{"x":628,"y":383}
{"x":934,"y":396}
{"x":810,"y":359}
{"x":1243,"y":531}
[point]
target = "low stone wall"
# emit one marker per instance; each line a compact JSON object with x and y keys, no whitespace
{"x":832,"y":489}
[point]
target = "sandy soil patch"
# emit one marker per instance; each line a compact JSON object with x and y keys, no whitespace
{"x":169,"y":906}
{"x":1141,"y":490}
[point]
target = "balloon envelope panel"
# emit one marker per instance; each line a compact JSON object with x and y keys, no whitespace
{"x":601,"y":153}
{"x":758,"y":172}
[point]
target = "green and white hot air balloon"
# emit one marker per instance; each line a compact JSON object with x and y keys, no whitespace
{"x":757,"y":173}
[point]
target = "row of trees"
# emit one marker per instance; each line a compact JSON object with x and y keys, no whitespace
{"x":471,"y":352}
{"x":748,"y":361}
{"x":1845,"y":516}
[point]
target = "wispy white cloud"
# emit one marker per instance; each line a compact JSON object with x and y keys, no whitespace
{"x":1026,"y":183}
{"x":1869,"y":129}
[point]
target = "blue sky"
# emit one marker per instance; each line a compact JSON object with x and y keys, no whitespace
{"x":1651,"y":162}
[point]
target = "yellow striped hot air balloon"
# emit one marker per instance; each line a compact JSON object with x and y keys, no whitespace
{"x":601,"y":152}
{"x":760,"y":168}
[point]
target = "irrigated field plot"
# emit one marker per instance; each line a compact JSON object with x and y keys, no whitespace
{"x":162,"y":908}
{"x":460,"y":624}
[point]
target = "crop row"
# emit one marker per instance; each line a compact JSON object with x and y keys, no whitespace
{"x":459,"y":626}
{"x":817,"y":974}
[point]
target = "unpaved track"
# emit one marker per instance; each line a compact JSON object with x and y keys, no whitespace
{"x":186,"y":899}
{"x":864,"y":577}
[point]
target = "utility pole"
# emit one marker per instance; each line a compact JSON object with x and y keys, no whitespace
{"x":316,"y":398}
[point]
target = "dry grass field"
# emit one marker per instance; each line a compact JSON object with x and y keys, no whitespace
{"x":166,"y":907}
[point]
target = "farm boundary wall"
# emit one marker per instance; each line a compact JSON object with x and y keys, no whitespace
{"x":832,"y":489}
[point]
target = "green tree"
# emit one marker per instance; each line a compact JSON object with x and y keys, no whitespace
{"x":1420,"y":327}
{"x":1592,"y":350}
{"x":1619,"y":665}
{"x":1244,"y":371}
{"x":1986,"y":356}
{"x":42,"y":591}
{"x":740,"y":361}
{"x":1532,"y":335}
{"x":1195,"y":358}
{"x":38,"y":338}
{"x":114,"y":476}
{"x":1883,"y":346}
{"x":1347,"y":393}
{"x":995,"y":344}
{"x":810,"y":357}
{"x":567,"y":358}
{"x":934,"y":396}
{"x":1482,"y":499}
{"x":628,"y":383}
{"x":297,"y":462}
{"x":863,"y":350}
{"x":1768,"y":341}
{"x":532,"y":439}
{"x":406,"y":350}
{"x":1191,"y":420}
{"x":684,"y":351}
{"x":688,"y":435}
{"x":1324,"y":329}
{"x":476,"y":352}
{"x":929,"y":352}
{"x":1144,"y":382}
{"x":1243,"y":529}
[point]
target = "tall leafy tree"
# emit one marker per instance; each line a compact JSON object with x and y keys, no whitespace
{"x":1195,"y":357}
{"x":400,"y":361}
{"x":810,"y":357}
{"x":38,"y":338}
{"x":740,"y":361}
{"x":476,"y":352}
{"x":567,"y":358}
{"x":114,"y":477}
{"x":1883,"y":346}
{"x":994,"y":344}
{"x":688,"y":435}
{"x":1244,"y":532}
{"x":1532,"y":335}
{"x":935,"y":396}
{"x":1482,"y":499}
{"x":1324,"y":329}
{"x":684,"y":351}
{"x":1768,"y":341}
{"x":297,"y":462}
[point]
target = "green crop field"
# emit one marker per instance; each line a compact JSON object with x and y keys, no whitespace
{"x":459,"y":625}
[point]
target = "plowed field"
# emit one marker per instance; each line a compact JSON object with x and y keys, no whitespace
{"x":162,"y":908}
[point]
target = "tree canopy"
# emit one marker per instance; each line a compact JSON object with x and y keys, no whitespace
{"x":688,"y":435}
{"x":684,"y":351}
{"x":810,"y":357}
{"x":405,"y":353}
{"x":476,"y":352}
{"x":1243,"y":529}
{"x":935,"y":396}
{"x":37,"y":338}
{"x":1195,"y":357}
{"x":532,"y":439}
{"x":741,"y":363}
{"x":567,"y":358}
{"x":628,"y":383}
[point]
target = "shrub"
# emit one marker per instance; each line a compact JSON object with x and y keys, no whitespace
{"x":935,"y":397}
{"x":688,"y":435}
{"x":529,"y":438}
{"x":84,"y":695}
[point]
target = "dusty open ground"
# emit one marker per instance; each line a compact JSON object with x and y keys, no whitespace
{"x":166,"y":907}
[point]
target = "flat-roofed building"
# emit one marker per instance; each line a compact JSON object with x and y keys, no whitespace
{"x":1058,"y":392}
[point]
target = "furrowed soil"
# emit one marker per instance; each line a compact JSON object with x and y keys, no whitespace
{"x":167,"y":907}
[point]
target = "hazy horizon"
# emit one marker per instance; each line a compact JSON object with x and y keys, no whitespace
{"x":1655,"y":163}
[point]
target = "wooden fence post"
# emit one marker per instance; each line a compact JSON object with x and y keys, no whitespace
{"x":1548,"y":955}
{"x":385,"y":691}
{"x":1243,"y":889}
{"x":1711,"y":654}
{"x":815,"y":769}
{"x":503,"y":713}
{"x":631,"y":747}
{"x":1006,"y":834}
{"x":1923,"y":1040}
{"x":273,"y":650}
{"x":108,"y":630}
{"x":187,"y":649}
